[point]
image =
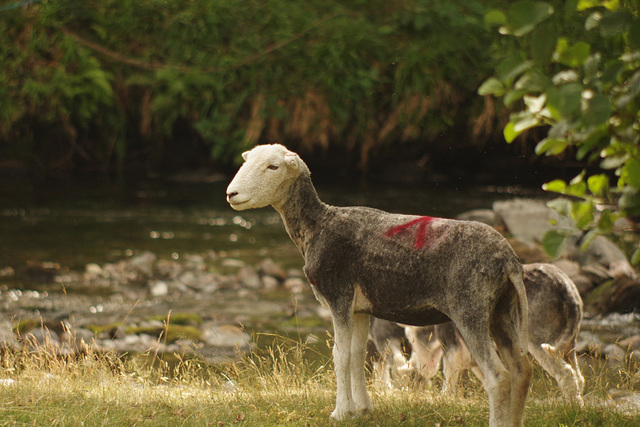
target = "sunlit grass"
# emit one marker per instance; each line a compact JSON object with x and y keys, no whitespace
{"x":289,"y":383}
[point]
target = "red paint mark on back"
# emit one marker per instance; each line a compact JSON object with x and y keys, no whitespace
{"x":421,"y":234}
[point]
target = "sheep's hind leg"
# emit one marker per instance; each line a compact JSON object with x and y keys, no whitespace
{"x":505,"y":331}
{"x":517,"y":362}
{"x":572,"y":359}
{"x":497,"y":377}
{"x":358,"y":353}
{"x":564,"y":374}
{"x":343,"y":331}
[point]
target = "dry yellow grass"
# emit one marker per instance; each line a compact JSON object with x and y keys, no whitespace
{"x":288,"y":384}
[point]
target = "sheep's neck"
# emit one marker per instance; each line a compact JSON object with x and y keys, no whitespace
{"x":302,"y":212}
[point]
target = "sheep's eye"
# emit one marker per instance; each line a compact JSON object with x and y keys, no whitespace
{"x":273,"y":167}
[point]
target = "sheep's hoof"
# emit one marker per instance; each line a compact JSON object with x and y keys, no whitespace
{"x":364,"y":407}
{"x":340,"y":415}
{"x":364,"y":411}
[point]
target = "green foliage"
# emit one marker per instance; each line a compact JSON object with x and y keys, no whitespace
{"x":576,"y":71}
{"x":111,"y":81}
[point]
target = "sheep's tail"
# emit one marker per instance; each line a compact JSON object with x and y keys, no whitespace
{"x":522,"y":307}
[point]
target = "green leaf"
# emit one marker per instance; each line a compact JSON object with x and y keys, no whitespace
{"x":592,"y":142}
{"x":564,"y":101}
{"x":605,"y":221}
{"x":509,"y":133}
{"x":634,"y":34}
{"x":573,"y":56}
{"x":535,"y":104}
{"x":593,"y":21}
{"x":560,"y":205}
{"x":579,"y":189}
{"x":632,"y":173}
{"x":532,"y":82}
{"x":551,"y":146}
{"x":578,"y":178}
{"x":583,"y":212}
{"x":523,"y":17}
{"x":526,"y":122}
{"x":635,"y":258}
{"x":630,"y":202}
{"x":557,"y":186}
{"x":614,"y":23}
{"x":588,"y":238}
{"x":588,"y":4}
{"x":597,"y":110}
{"x":598,"y":185}
{"x":512,"y":66}
{"x":543,"y":42}
{"x":513,"y":96}
{"x":554,"y":242}
{"x":614,"y":161}
{"x":495,"y":17}
{"x":492,"y":86}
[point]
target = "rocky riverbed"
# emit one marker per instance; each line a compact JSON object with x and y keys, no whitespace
{"x":215,"y":306}
{"x":208,"y":305}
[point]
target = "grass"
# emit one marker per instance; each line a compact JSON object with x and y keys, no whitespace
{"x":287,"y":384}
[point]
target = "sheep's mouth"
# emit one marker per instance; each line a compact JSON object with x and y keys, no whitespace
{"x":236,"y":203}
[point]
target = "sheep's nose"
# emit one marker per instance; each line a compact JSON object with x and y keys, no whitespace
{"x":231,"y":194}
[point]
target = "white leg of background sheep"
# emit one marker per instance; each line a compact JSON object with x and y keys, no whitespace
{"x":572,"y":359}
{"x":391,"y":361}
{"x":343,"y":332}
{"x":451,"y":367}
{"x":358,"y":354}
{"x":569,"y":381}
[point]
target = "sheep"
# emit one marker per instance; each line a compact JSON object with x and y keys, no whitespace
{"x":415,"y":270}
{"x":555,"y":315}
{"x":389,"y":339}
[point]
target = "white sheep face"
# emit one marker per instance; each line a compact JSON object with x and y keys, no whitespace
{"x":259,"y":181}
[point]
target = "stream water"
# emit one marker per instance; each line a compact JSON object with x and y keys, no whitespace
{"x":97,"y":224}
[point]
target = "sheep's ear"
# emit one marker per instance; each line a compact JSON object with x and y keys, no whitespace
{"x":292,"y":159}
{"x":245,"y":155}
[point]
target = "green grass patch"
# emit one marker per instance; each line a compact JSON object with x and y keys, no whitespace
{"x":281,"y":385}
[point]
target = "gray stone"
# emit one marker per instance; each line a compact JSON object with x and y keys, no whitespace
{"x":143,"y":263}
{"x":233,"y":263}
{"x":270,"y":283}
{"x":8,"y":338}
{"x":249,"y":278}
{"x":529,"y":220}
{"x":295,"y":285}
{"x":159,"y":288}
{"x":42,"y":336}
{"x":226,"y":336}
{"x":614,"y":354}
{"x":596,"y":273}
{"x":270,"y":268}
{"x":486,"y":216}
{"x":632,"y":342}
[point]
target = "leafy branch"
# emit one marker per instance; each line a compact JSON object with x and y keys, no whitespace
{"x":576,"y":71}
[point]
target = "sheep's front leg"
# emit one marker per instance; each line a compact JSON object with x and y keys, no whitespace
{"x":358,"y":353}
{"x":343,"y":331}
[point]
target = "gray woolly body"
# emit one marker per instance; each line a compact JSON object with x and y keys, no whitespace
{"x":347,"y":247}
